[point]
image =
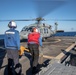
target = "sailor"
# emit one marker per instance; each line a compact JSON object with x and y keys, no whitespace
{"x":12,"y":45}
{"x":34,"y":40}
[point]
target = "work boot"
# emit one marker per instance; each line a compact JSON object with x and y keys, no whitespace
{"x":10,"y":72}
{"x":35,"y":70}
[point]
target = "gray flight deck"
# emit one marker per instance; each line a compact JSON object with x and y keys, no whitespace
{"x":53,"y":51}
{"x":58,"y":69}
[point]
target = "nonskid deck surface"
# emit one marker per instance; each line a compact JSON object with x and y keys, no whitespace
{"x":58,"y":69}
{"x":52,"y":48}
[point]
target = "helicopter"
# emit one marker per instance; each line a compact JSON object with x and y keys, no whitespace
{"x":43,"y":28}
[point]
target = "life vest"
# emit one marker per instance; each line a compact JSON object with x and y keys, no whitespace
{"x":34,"y":37}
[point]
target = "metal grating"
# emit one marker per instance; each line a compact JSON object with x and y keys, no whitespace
{"x":58,"y":69}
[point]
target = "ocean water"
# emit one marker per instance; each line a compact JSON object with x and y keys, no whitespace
{"x":1,"y":40}
{"x":65,"y":34}
{"x":1,"y":36}
{"x":57,"y":34}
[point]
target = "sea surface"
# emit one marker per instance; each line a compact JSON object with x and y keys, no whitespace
{"x":65,"y":34}
{"x":1,"y":36}
{"x":1,"y":40}
{"x":57,"y":34}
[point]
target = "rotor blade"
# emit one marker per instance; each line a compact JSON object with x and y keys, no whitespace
{"x":67,"y":20}
{"x":18,"y":20}
{"x":40,"y":19}
{"x":60,"y":20}
{"x":4,"y":20}
{"x":44,"y":7}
